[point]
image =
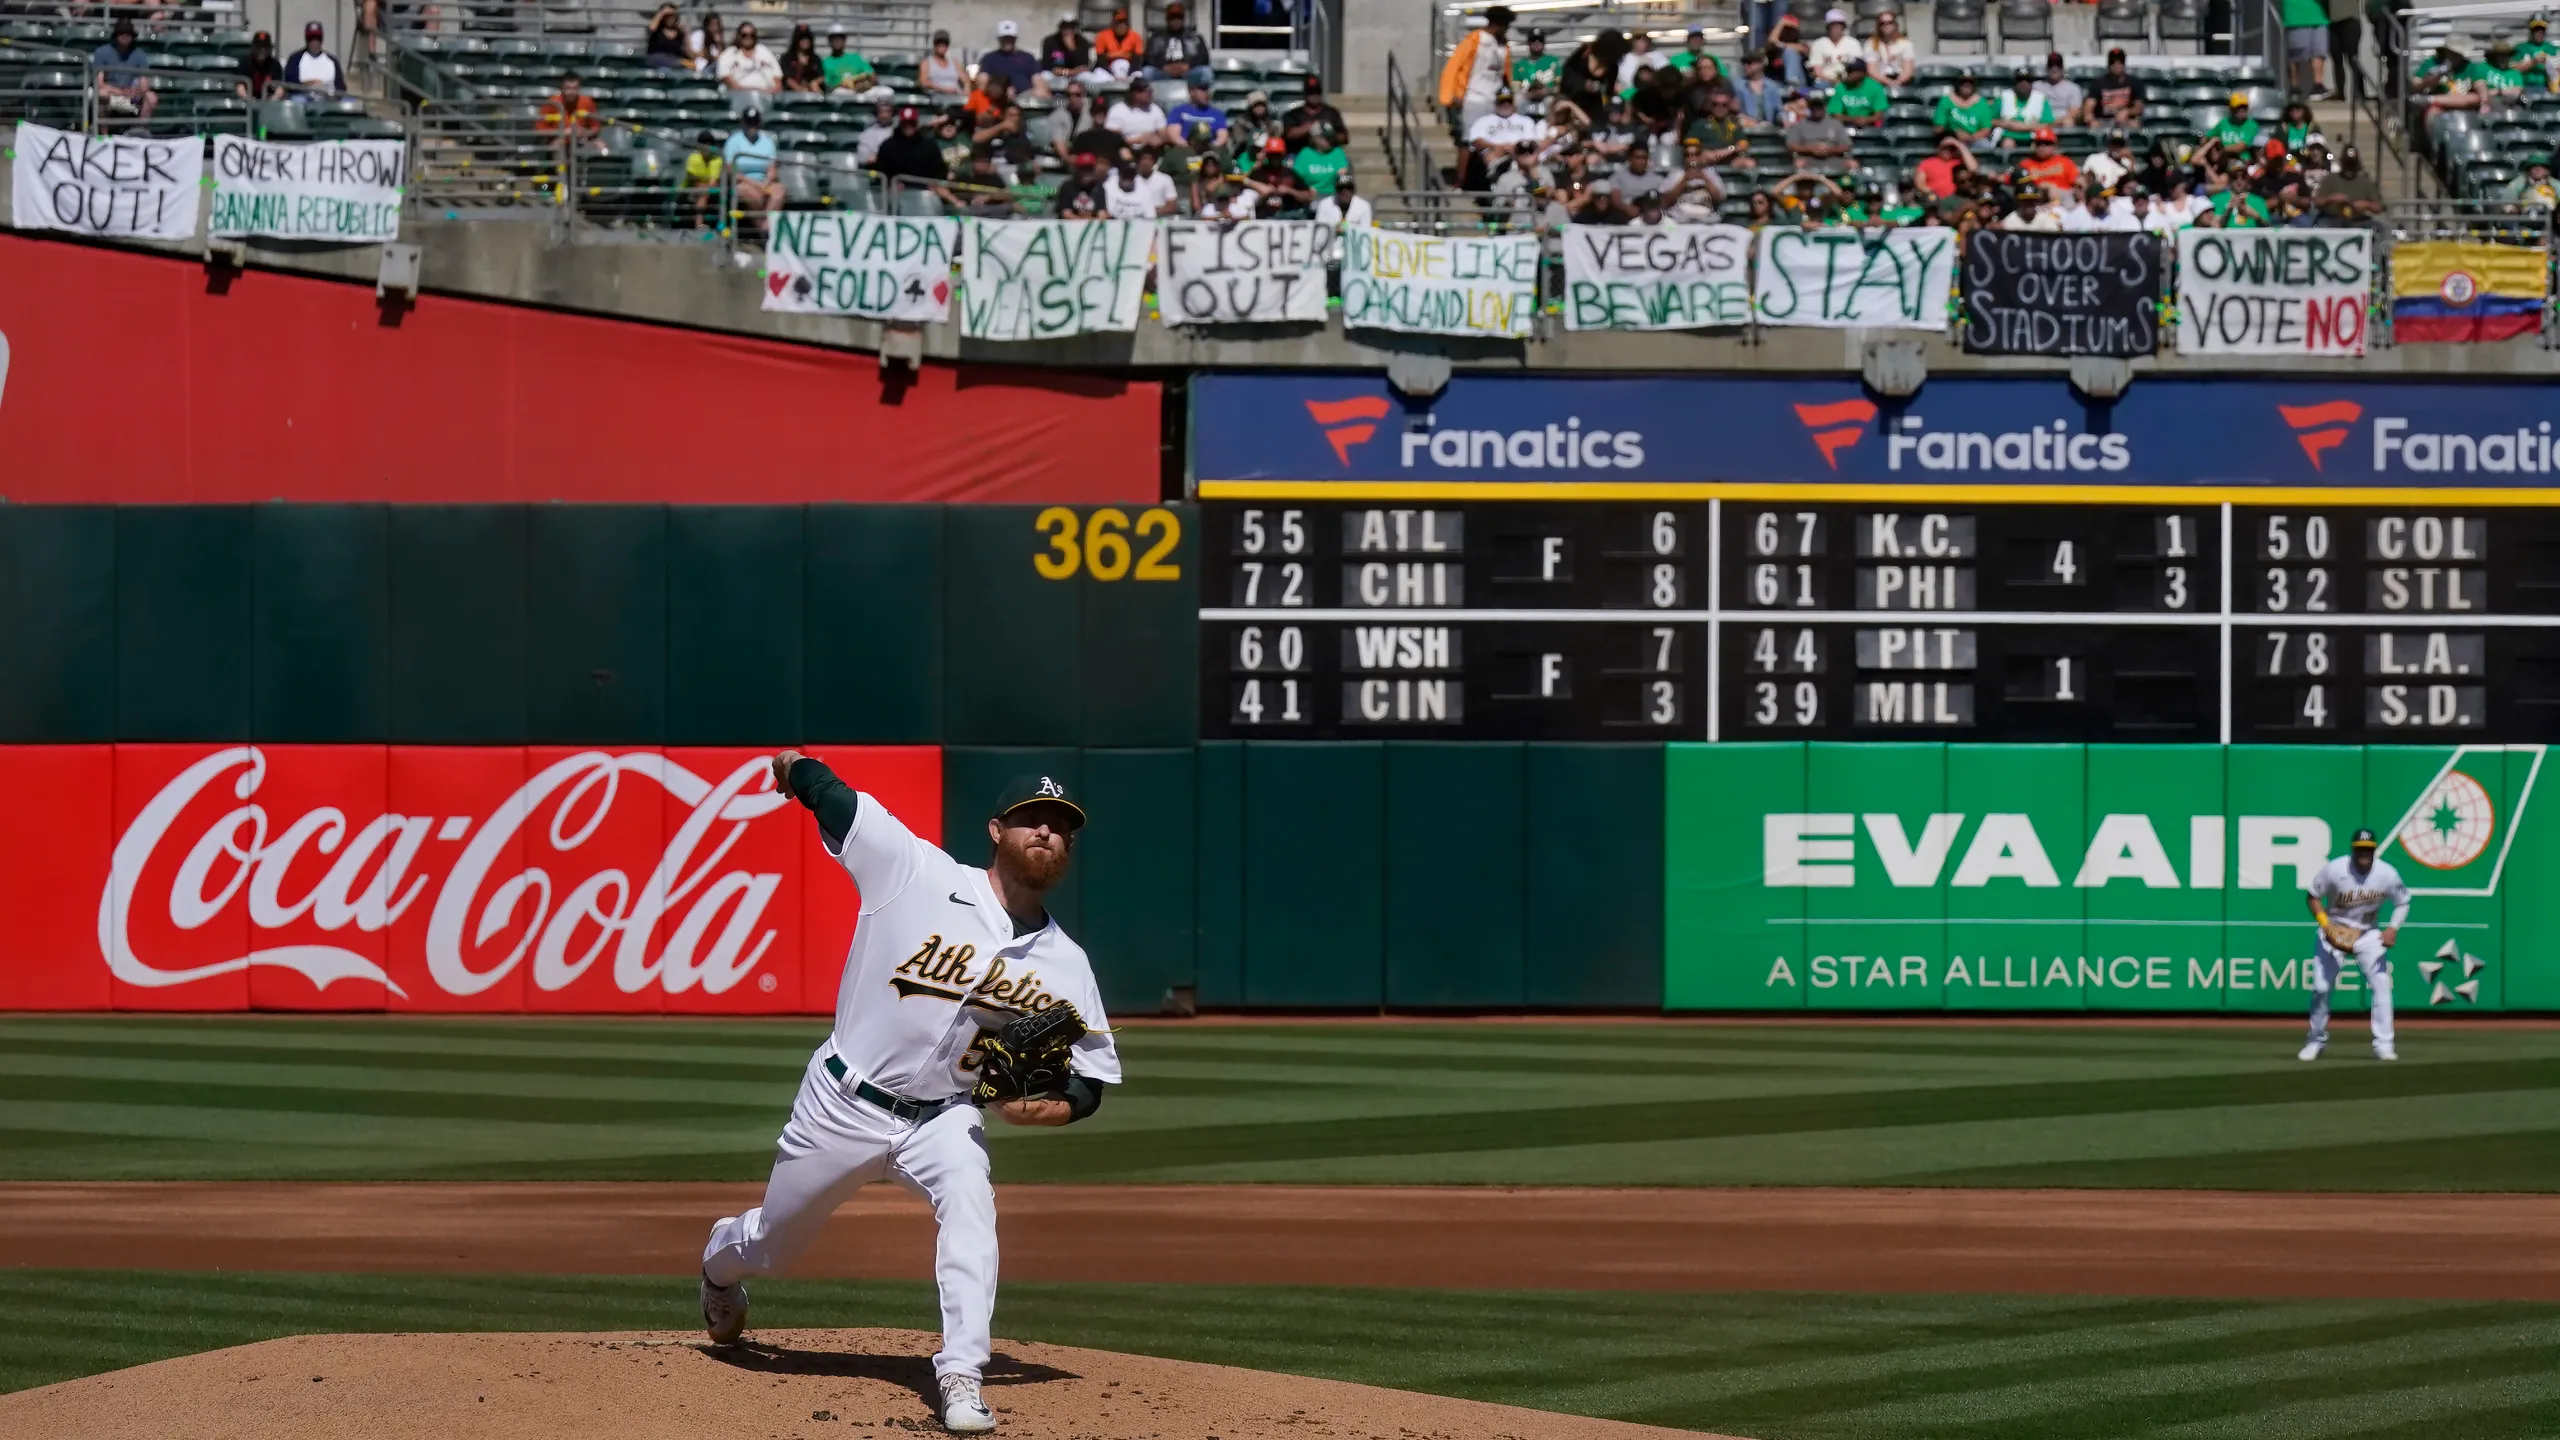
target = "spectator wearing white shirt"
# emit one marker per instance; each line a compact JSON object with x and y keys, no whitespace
{"x":2109,"y":167}
{"x":1229,"y":199}
{"x":749,"y":75}
{"x":312,"y":70}
{"x":2028,"y":212}
{"x":884,"y":123}
{"x":2023,"y":110}
{"x":1125,"y":199}
{"x":1831,"y":52}
{"x":1153,"y":183}
{"x":1640,"y":57}
{"x":1890,"y":57}
{"x":2103,"y":214}
{"x":1136,"y":117}
{"x":1493,"y":134}
{"x":1345,"y":206}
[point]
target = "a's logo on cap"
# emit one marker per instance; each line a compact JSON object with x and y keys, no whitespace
{"x":1350,"y":422}
{"x":2320,"y":429}
{"x":1051,"y":789}
{"x":1836,"y":427}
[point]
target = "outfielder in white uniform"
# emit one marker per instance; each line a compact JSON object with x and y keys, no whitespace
{"x":2346,"y":897}
{"x":942,"y":952}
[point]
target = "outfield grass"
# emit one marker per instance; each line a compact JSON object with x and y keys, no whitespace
{"x":132,"y":1097}
{"x":1785,"y":1367}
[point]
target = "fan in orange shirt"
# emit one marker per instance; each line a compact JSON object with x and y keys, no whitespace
{"x":1119,"y":42}
{"x":2048,"y":166}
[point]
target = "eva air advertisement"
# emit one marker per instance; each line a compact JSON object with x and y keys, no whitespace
{"x":2097,"y":877}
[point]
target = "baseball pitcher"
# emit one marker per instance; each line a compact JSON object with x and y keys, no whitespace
{"x":2346,"y":897}
{"x":960,"y":991}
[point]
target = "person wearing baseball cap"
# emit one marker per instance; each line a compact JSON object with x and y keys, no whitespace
{"x":1478,"y":66}
{"x":2233,"y":134}
{"x":1176,"y":52}
{"x":312,"y":71}
{"x":2047,"y":166}
{"x":2023,"y":111}
{"x":2346,"y":899}
{"x":1860,"y":100}
{"x":123,"y":69}
{"x":1828,"y":57}
{"x":1019,"y":67}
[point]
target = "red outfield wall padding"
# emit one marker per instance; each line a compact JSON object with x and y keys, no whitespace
{"x":287,"y":388}
{"x":367,"y":877}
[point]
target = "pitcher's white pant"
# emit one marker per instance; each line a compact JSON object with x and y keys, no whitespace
{"x":2376,"y":964}
{"x":835,"y":1145}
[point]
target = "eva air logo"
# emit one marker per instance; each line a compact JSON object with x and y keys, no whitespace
{"x":2451,"y":834}
{"x":2452,"y":823}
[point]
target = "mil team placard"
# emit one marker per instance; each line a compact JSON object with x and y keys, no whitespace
{"x":1740,"y":620}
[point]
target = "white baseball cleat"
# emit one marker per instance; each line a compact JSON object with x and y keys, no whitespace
{"x":2311,"y":1051}
{"x":724,"y":1311}
{"x":964,"y":1411}
{"x":2382,"y":1050}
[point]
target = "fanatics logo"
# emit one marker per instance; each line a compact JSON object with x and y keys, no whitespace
{"x":1346,"y":423}
{"x":2320,"y":429}
{"x":1836,"y":427}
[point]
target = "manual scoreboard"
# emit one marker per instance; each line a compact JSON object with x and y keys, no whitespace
{"x":1739,"y":619}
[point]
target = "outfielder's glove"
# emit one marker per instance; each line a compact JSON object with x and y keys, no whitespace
{"x":1027,"y":1059}
{"x":2341,"y":935}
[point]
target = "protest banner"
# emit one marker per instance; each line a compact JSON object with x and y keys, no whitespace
{"x":1439,"y":285}
{"x":1872,"y":279}
{"x":1656,"y":277}
{"x":1257,"y":271}
{"x":1045,"y":279}
{"x":2028,"y":294}
{"x":142,"y":189}
{"x":2273,"y":292}
{"x":344,"y":190}
{"x":873,"y":267}
{"x":2467,"y":291}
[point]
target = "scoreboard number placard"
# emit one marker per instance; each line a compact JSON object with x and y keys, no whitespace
{"x":1639,"y":620}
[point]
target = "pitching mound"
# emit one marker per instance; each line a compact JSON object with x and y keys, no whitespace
{"x":787,"y":1383}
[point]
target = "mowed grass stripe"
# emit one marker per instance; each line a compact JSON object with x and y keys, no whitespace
{"x":131,"y":1056}
{"x":384,"y":1104}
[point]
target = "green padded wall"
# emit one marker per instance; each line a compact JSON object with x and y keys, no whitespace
{"x":1141,"y":679}
{"x":182,"y":622}
{"x":1454,"y":875}
{"x":1012,"y":642}
{"x":734,"y":612}
{"x":1219,"y":871}
{"x":1591,"y":927}
{"x":457,"y":624}
{"x":1314,"y":893}
{"x":320,"y":624}
{"x":596,"y":624}
{"x":57,"y":624}
{"x":873,"y":632}
{"x":1138,"y":859}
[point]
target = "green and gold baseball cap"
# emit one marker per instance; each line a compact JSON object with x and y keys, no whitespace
{"x":1024,"y":790}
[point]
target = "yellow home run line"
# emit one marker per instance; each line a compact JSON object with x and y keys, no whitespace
{"x":1899,"y":493}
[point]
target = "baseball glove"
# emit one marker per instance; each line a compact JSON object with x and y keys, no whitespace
{"x":2341,"y":934}
{"x":1027,"y":1058}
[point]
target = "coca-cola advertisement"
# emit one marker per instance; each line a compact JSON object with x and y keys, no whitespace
{"x":428,"y":878}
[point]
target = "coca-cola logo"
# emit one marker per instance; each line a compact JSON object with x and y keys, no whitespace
{"x":517,"y":888}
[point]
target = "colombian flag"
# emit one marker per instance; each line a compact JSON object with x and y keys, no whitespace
{"x":2462,"y":290}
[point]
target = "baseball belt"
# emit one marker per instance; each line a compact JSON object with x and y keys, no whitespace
{"x":912,"y":1111}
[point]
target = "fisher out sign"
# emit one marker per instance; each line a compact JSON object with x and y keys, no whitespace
{"x":2273,"y":292}
{"x":1656,"y":277}
{"x":1483,"y":285}
{"x":343,"y":190}
{"x":1258,"y":271}
{"x":1861,"y":279}
{"x":2101,"y":877}
{"x":1047,"y":279}
{"x":141,"y":189}
{"x":872,"y":267}
{"x":2030,"y":294}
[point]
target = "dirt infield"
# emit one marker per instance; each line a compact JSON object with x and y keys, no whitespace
{"x":790,"y":1383}
{"x":2076,"y":1242}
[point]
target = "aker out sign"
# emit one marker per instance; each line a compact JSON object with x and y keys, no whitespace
{"x":2070,"y":877}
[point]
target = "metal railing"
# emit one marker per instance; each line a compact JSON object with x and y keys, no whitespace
{"x":1569,"y":25}
{"x":1408,"y":153}
{"x":899,"y":25}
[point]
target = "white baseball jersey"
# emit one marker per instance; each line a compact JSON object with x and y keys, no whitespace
{"x":2355,"y":898}
{"x":933,"y":933}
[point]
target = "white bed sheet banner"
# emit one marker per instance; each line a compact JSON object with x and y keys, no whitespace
{"x":1855,"y":279}
{"x":1656,"y":277}
{"x":342,"y":190}
{"x":1044,"y":279}
{"x":871,"y":267}
{"x":2273,"y":292}
{"x":1250,"y":272}
{"x":1439,"y":284}
{"x":93,"y":185}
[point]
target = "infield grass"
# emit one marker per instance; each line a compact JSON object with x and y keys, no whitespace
{"x":395,"y":1098}
{"x":1784,"y":1367}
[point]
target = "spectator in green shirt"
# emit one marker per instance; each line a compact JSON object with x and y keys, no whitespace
{"x":1860,"y":100}
{"x":2235,"y":133}
{"x":2234,"y":208}
{"x":847,"y":70}
{"x":1968,"y":114}
{"x":1534,"y":73}
{"x":2535,"y":55}
{"x":1319,"y":163}
{"x":1688,"y":59}
{"x":2497,"y":73}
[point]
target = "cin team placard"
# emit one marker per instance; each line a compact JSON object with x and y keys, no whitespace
{"x":1777,"y":620}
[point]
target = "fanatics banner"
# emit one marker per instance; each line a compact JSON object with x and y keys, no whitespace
{"x":2274,"y":292}
{"x":91,"y":185}
{"x":433,"y":878}
{"x":1485,"y":285}
{"x":2027,"y":294}
{"x":342,"y":190}
{"x":872,"y":267}
{"x":1656,"y":277}
{"x":1252,"y":272}
{"x":1048,"y":279}
{"x":1863,"y":279}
